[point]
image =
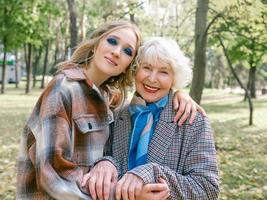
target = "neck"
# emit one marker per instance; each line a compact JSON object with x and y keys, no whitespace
{"x":95,"y":76}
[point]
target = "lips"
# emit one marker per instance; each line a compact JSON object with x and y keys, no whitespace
{"x":150,"y":89}
{"x":111,"y":61}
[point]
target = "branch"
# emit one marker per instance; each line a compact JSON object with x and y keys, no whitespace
{"x":238,"y":80}
{"x":213,"y":21}
{"x":136,"y":6}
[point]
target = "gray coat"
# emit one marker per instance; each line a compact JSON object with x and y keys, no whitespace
{"x":184,"y":156}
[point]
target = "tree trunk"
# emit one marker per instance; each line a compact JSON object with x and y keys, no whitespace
{"x":73,"y":24}
{"x":29,"y":68}
{"x":82,"y":28}
{"x":200,"y":50}
{"x":16,"y":69}
{"x":239,"y":82}
{"x":252,"y":79}
{"x":45,"y":64}
{"x":4,"y":67}
{"x":36,"y":62}
{"x":132,"y":18}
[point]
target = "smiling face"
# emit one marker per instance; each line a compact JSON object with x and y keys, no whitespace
{"x":113,"y":55}
{"x":153,"y":81}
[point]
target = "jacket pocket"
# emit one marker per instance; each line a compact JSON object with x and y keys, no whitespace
{"x":90,"y":138}
{"x":88,"y":123}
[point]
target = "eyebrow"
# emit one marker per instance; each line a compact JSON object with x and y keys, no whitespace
{"x":120,"y":39}
{"x":162,"y":67}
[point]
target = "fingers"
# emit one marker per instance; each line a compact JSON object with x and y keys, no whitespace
{"x":201,"y":110}
{"x":193,"y":113}
{"x":99,"y":186}
{"x":164,"y":194}
{"x":129,"y":187}
{"x":107,"y":186}
{"x":155,"y":187}
{"x":125,"y":188}
{"x":100,"y":180}
{"x":119,"y":187}
{"x":180,"y":111}
{"x":175,"y":103}
{"x":162,"y":180}
{"x":92,"y":189}
{"x":138,"y":188}
{"x":185,"y":115}
{"x":131,"y":190}
{"x":86,"y":177}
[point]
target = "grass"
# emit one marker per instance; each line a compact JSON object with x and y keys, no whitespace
{"x":241,"y":149}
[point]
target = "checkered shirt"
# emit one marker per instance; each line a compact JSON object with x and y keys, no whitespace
{"x":64,"y":135}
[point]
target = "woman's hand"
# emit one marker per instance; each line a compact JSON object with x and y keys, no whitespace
{"x":100,"y":180}
{"x":156,"y":191}
{"x":131,"y":187}
{"x":128,"y":187}
{"x":185,"y":105}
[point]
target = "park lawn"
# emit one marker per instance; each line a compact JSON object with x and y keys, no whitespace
{"x":241,"y":149}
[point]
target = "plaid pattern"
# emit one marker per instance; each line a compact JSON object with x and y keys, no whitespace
{"x":184,"y":156}
{"x":64,"y":135}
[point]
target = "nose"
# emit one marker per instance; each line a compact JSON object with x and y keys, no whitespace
{"x":116,"y":51}
{"x":152,"y":76}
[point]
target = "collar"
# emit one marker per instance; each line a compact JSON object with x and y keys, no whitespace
{"x":167,"y":113}
{"x":76,"y":73}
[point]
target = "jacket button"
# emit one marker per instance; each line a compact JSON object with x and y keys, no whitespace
{"x":90,"y":125}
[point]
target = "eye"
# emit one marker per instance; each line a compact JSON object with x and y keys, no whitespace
{"x":128,"y":51}
{"x":146,"y":67}
{"x":164,"y":72}
{"x":112,"y":41}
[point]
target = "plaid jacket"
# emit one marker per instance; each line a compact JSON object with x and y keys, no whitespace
{"x":64,"y":135}
{"x":184,"y":156}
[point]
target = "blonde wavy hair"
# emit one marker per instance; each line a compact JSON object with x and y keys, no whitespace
{"x":85,"y":52}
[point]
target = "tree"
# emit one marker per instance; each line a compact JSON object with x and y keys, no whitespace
{"x":10,"y":34}
{"x":73,"y":24}
{"x":244,"y":26}
{"x":238,"y":80}
{"x":200,"y":50}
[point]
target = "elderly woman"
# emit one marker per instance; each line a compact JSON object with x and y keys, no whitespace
{"x":156,"y":158}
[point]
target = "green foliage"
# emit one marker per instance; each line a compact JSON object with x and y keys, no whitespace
{"x":10,"y":15}
{"x":243,"y":27}
{"x":26,"y":21}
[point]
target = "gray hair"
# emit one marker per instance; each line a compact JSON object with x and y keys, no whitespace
{"x":167,"y":51}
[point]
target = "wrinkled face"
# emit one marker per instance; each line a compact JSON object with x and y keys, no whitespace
{"x":153,"y":81}
{"x":114,"y":53}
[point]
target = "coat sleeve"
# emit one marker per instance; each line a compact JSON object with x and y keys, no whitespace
{"x":108,"y":155}
{"x":199,"y":179}
{"x":56,"y":173}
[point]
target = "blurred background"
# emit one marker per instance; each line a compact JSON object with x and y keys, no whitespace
{"x":225,"y":40}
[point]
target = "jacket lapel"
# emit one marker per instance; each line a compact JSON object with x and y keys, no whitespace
{"x":163,"y":135}
{"x":124,"y":132}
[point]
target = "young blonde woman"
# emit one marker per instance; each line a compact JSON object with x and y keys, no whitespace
{"x":154,"y":157}
{"x":69,"y":125}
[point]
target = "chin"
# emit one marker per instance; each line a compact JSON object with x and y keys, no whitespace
{"x":149,"y":100}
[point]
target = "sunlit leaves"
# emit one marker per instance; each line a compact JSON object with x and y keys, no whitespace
{"x":243,"y":27}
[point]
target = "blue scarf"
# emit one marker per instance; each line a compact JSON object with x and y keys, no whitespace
{"x":144,"y":118}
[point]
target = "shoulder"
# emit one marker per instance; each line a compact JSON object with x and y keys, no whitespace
{"x":200,"y":120}
{"x":200,"y":128}
{"x":123,"y":112}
